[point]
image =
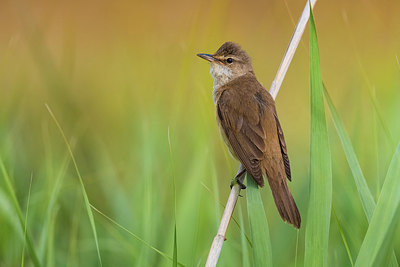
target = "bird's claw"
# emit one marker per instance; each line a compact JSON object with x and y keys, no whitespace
{"x":239,"y":182}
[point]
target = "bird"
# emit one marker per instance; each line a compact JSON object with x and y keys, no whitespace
{"x":248,"y":122}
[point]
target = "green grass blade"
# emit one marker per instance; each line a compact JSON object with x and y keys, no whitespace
{"x":343,"y":237}
{"x":297,"y":247}
{"x":49,"y":217}
{"x":365,"y":194}
{"x":377,"y":245}
{"x":163,"y":254}
{"x":367,"y":200}
{"x":175,"y":253}
{"x":51,"y":240}
{"x":262,"y":252}
{"x":17,"y":208}
{"x":26,"y":220}
{"x":319,"y":210}
{"x":380,"y":116}
{"x":243,"y":243}
{"x":175,"y":256}
{"x":85,"y":197}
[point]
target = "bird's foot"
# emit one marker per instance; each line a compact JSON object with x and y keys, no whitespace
{"x":238,"y":180}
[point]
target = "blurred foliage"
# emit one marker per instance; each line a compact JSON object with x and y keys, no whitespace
{"x":117,"y":74}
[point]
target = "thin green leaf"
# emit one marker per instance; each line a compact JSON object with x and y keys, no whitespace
{"x":26,"y":220}
{"x":135,"y":236}
{"x":380,"y":116}
{"x":85,"y":197}
{"x":175,"y":256}
{"x":377,"y":245}
{"x":17,"y":209}
{"x":343,"y":237}
{"x":50,"y":238}
{"x":319,"y":210}
{"x":175,"y":253}
{"x":49,"y":217}
{"x":367,"y":200}
{"x":297,"y":247}
{"x":262,"y":252}
{"x":243,"y":237}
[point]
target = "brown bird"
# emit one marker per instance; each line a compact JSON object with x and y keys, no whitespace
{"x":248,"y":122}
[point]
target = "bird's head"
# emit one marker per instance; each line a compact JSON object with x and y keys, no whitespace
{"x":229,"y":62}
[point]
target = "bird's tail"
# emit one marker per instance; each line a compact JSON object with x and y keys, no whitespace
{"x":284,"y":202}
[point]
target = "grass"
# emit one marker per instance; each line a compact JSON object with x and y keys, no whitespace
{"x":163,"y":254}
{"x":343,"y":237}
{"x":115,"y":88}
{"x":17,"y":209}
{"x":378,"y":241}
{"x":85,"y":196}
{"x":26,"y":220}
{"x":261,"y":244}
{"x":365,"y":194}
{"x":244,"y":247}
{"x":320,"y":199}
{"x":175,"y":253}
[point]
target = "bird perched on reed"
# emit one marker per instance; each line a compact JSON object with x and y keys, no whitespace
{"x":249,"y":124}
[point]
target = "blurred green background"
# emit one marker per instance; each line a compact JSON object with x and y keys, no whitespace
{"x":119,"y":74}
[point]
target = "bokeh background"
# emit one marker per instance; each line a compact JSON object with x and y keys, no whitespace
{"x":120,"y":75}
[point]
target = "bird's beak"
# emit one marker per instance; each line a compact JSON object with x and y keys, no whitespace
{"x":207,"y":57}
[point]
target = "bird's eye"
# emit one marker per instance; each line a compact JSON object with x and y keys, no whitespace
{"x":229,"y":60}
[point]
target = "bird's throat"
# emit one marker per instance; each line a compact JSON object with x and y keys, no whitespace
{"x":221,"y":76}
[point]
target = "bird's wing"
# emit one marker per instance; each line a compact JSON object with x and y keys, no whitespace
{"x":283,"y":148}
{"x":244,"y":131}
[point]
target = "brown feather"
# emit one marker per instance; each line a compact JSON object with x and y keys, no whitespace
{"x":283,"y":148}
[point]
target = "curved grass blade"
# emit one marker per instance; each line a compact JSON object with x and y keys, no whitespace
{"x":367,"y":200}
{"x":135,"y":236}
{"x":319,"y":210}
{"x":85,"y":197}
{"x":262,"y":252}
{"x":17,"y":209}
{"x":377,"y":245}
